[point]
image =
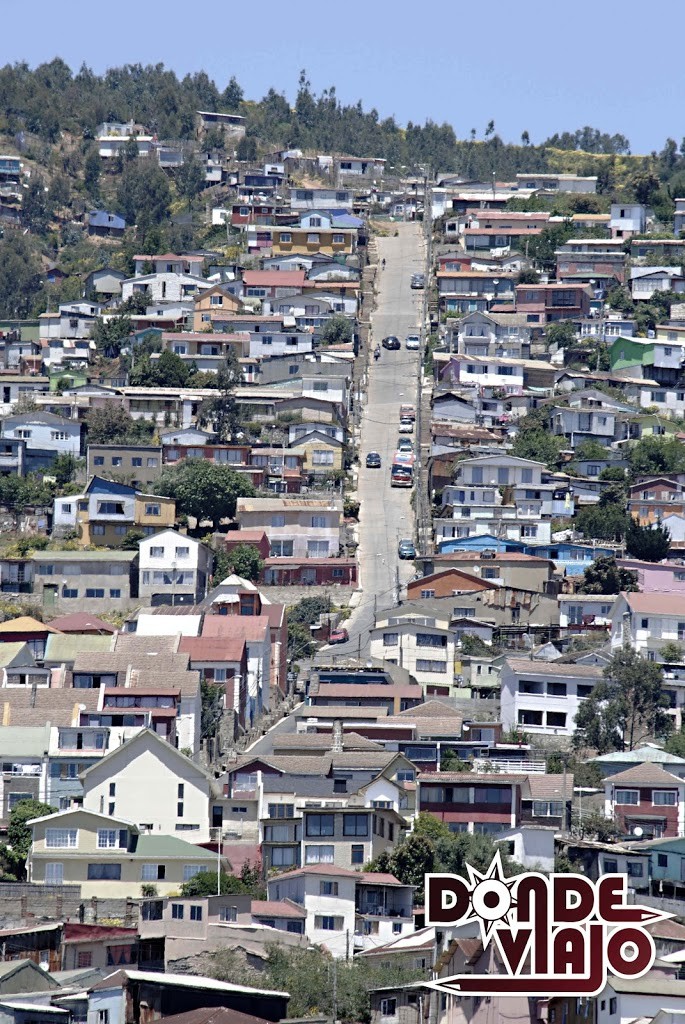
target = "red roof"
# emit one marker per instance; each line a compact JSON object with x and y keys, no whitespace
{"x":309,"y":562}
{"x":244,"y":627}
{"x":274,"y":278}
{"x":82,"y":622}
{"x":203,"y":648}
{"x":276,"y":908}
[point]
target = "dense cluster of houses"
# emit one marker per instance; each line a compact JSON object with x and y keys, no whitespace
{"x":465,"y":707}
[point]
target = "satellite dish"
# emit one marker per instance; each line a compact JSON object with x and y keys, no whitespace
{"x":638,"y":831}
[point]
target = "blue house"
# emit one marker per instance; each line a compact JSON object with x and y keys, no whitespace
{"x":667,"y":865}
{"x":105,"y":224}
{"x":572,"y":558}
{"x":480,"y":542}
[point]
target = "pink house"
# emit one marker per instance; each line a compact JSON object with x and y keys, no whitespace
{"x":656,"y":577}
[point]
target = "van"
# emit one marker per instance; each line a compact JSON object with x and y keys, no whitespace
{"x":407,"y":412}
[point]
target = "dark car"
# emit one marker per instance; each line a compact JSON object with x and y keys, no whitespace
{"x":418,"y":281}
{"x":339,"y":636}
{"x":406,"y":549}
{"x":373,"y":460}
{"x":392,"y":342}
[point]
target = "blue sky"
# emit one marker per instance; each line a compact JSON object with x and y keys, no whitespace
{"x":532,"y":65}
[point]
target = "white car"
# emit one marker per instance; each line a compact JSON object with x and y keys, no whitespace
{"x":413,"y":342}
{"x":406,"y":425}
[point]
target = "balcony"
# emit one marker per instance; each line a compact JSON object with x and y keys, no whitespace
{"x":381,"y":910}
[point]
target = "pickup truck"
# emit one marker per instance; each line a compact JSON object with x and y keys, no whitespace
{"x":407,"y":412}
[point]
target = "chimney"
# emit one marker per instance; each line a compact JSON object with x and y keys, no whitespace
{"x":337,"y":741}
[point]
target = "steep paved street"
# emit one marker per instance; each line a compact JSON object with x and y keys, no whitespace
{"x":386,"y":513}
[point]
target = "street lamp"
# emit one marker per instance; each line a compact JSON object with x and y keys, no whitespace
{"x":218,"y":832}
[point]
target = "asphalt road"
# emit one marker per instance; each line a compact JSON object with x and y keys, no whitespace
{"x":386,"y":514}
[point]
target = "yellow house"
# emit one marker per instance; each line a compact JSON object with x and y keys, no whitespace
{"x":320,"y":453}
{"x":110,"y":857}
{"x":214,"y":302}
{"x":294,"y":239}
{"x":107,"y":510}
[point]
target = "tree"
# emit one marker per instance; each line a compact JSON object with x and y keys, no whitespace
{"x":167,"y":371}
{"x":605,"y":576}
{"x":222,"y":411}
{"x":246,"y":562}
{"x":625,"y":708}
{"x":92,"y":167}
{"x":144,"y":196}
{"x":63,"y":468}
{"x":35,"y":208}
{"x":204,"y":490}
{"x":538,"y":445}
{"x":651,"y":456}
{"x":111,"y":424}
{"x":648,"y":543}
{"x":20,"y":280}
{"x":528,"y":276}
{"x":232,"y":96}
{"x":112,"y":335}
{"x":204,"y":883}
{"x":212,"y":709}
{"x":19,"y":834}
{"x":410,"y":861}
{"x":562,"y":334}
{"x":451,"y":762}
{"x":336,"y":331}
{"x":672,"y":653}
{"x":590,"y":449}
{"x":190,"y":178}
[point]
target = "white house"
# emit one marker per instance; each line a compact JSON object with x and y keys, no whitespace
{"x":296,"y":527}
{"x":585,"y":609}
{"x":627,"y":219}
{"x":647,"y":621}
{"x":417,"y":636}
{"x":44,"y":431}
{"x":543,"y":698}
{"x":347,"y":911}
{"x":166,"y":287}
{"x":627,"y":999}
{"x":147,"y":781}
{"x":173,"y":569}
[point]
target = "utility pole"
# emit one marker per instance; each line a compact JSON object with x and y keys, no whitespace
{"x":335,"y":990}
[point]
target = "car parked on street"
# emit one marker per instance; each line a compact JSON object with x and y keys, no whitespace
{"x":412,"y":342}
{"x":339,"y":636}
{"x":406,"y":425}
{"x":418,"y":281}
{"x":373,"y":460}
{"x":406,"y":549}
{"x":405,"y":444}
{"x":391,"y":342}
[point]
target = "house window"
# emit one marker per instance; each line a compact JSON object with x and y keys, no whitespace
{"x":153,"y":510}
{"x":357,"y":854}
{"x":190,"y":870}
{"x":228,"y":914}
{"x":98,"y":530}
{"x":610,"y":866}
{"x":328,"y":923}
{"x":338,"y":239}
{"x":313,"y":238}
{"x":286,"y":237}
{"x":61,"y":838}
{"x":195,"y":913}
{"x":320,"y":824}
{"x":136,"y":462}
{"x":627,"y":796}
{"x":110,"y":838}
{"x":390,"y":639}
{"x":388,"y":1007}
{"x":636,"y":869}
{"x":328,"y":888}
{"x":85,"y":958}
{"x":69,"y":592}
{"x":319,"y":522}
{"x":104,"y":872}
{"x":99,"y":460}
{"x":103,"y":1016}
{"x":95,"y":592}
{"x":664,"y":798}
{"x":318,"y":854}
{"x":281,"y":810}
{"x":356,"y":825}
{"x":153,"y":872}
{"x":54,"y":874}
{"x":281,"y":549}
{"x":662,"y":860}
{"x":177,"y":911}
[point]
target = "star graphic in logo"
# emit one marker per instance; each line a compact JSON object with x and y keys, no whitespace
{"x":492,"y":900}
